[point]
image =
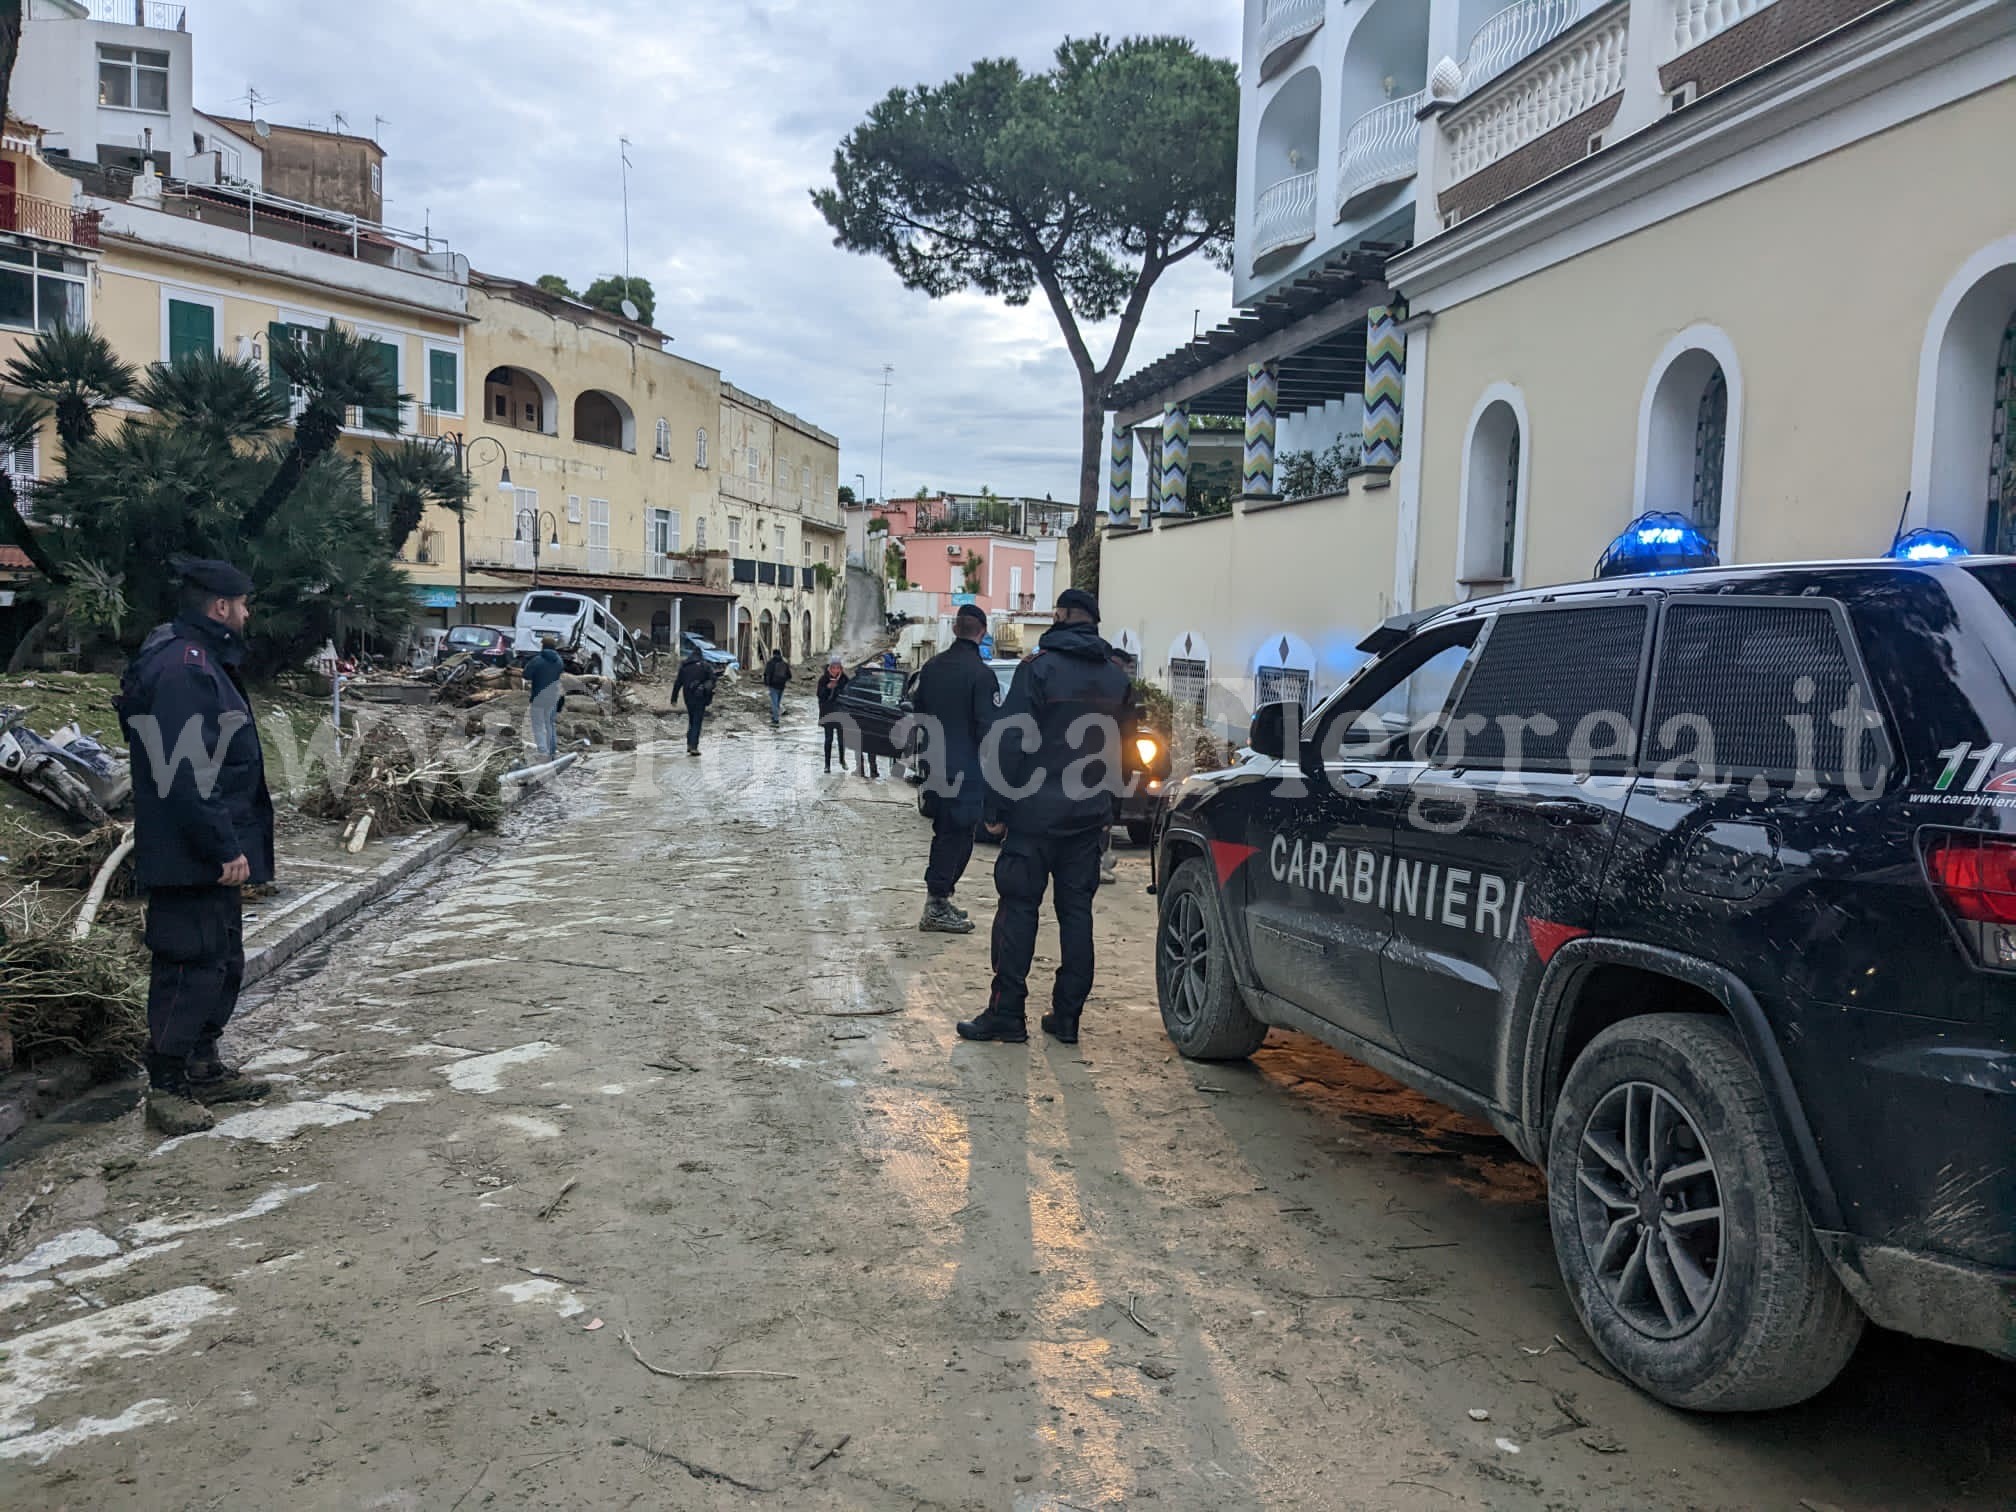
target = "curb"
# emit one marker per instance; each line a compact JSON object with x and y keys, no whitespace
{"x":349,"y":901}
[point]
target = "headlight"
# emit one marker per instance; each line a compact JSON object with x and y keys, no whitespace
{"x":1147,"y":749}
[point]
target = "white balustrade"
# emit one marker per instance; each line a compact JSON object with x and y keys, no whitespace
{"x":1286,"y":21}
{"x":1516,"y":32}
{"x":1382,"y":147}
{"x":1532,"y":101}
{"x":1697,"y":21}
{"x":1285,"y":214}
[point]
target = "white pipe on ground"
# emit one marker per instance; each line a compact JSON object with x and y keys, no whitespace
{"x":536,"y":773}
{"x":95,"y":899}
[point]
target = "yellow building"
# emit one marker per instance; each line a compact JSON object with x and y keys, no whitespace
{"x":605,"y":433}
{"x":779,"y":486}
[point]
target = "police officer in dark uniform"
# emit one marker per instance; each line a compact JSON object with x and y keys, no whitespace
{"x":203,"y":828}
{"x":1067,"y":776}
{"x":956,"y":696}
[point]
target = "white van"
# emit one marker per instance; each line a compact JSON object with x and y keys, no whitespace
{"x":592,"y":640}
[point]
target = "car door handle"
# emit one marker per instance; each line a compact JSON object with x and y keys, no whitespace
{"x":1570,"y":811}
{"x":1358,"y":780}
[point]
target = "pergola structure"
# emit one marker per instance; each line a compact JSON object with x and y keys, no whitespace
{"x":1328,"y":336}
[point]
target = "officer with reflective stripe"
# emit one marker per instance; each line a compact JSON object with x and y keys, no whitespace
{"x":203,"y":828}
{"x":1051,"y":791}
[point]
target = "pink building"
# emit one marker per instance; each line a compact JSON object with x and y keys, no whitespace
{"x":1004,"y":581}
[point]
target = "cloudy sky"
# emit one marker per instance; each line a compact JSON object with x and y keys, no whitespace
{"x":502,"y":119}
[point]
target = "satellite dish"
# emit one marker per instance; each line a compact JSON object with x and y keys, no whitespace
{"x":630,"y":311}
{"x":262,"y":130}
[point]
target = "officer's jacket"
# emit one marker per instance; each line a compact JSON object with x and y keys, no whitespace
{"x":696,"y":682}
{"x":199,"y":774}
{"x":1070,"y":786}
{"x":957,"y":693}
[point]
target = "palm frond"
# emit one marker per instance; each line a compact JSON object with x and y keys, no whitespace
{"x":21,"y":417}
{"x":221,"y":396}
{"x":76,"y":370}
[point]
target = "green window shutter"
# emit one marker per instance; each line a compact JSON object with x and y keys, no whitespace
{"x":388,"y":361}
{"x":278,"y":334}
{"x":442,"y":386}
{"x":191,"y":328}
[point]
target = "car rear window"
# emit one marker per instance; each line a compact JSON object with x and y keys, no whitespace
{"x":1560,"y":671}
{"x":546,"y":603}
{"x":878,"y":686}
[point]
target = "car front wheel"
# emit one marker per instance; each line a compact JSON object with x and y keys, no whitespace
{"x":1202,"y":1010}
{"x":1679,"y":1226}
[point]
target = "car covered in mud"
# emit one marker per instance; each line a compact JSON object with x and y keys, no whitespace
{"x":1701,"y":889}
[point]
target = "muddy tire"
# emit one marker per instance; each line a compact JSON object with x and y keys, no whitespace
{"x":1202,"y":1011}
{"x":1140,"y":831}
{"x":1679,"y":1227}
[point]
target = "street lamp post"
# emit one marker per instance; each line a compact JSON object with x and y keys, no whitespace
{"x":537,"y":517}
{"x":463,"y":453}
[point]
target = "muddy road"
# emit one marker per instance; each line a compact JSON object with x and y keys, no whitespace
{"x":631,"y":1160}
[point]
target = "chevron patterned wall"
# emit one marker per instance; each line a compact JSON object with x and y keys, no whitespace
{"x":1385,"y":383}
{"x":1263,"y":396}
{"x":1174,"y":493}
{"x":1120,"y":473}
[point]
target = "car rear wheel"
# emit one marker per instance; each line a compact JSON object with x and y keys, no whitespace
{"x":1679,"y":1227}
{"x":1202,"y":1010}
{"x":1140,"y":831}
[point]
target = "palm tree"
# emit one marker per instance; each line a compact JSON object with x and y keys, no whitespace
{"x":21,"y":418}
{"x":339,"y":371}
{"x":406,"y":480}
{"x":76,"y":370}
{"x":229,"y":401}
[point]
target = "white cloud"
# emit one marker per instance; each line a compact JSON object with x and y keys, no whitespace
{"x":502,"y":126}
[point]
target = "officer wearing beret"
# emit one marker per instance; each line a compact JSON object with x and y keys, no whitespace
{"x":203,"y":828}
{"x":1051,"y":799}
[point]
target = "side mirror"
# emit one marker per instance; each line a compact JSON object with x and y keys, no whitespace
{"x":1268,"y":733}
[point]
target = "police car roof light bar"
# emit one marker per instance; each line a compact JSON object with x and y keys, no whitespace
{"x":1926,"y":545}
{"x":1657,"y":541}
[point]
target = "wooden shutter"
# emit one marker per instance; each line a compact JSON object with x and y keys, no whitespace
{"x":191,"y":328}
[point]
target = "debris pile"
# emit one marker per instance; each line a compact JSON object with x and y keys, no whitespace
{"x":398,"y":788}
{"x":60,"y":995}
{"x":68,"y":861}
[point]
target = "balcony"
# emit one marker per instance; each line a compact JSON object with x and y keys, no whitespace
{"x":1517,"y":32}
{"x":1284,"y":215}
{"x":148,"y":13}
{"x":508,"y":551}
{"x":1699,"y":21}
{"x":1282,"y":27}
{"x":48,"y":220}
{"x":1526,"y":104}
{"x":1381,"y":148}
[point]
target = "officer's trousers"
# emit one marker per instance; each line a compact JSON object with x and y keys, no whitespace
{"x":951,"y":849}
{"x":694,"y":719}
{"x":198,"y":939}
{"x":1028,"y":864}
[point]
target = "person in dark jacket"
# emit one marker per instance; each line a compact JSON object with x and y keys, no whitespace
{"x":955,"y":700}
{"x":828,"y":690}
{"x":776,"y":677}
{"x":695,"y":684}
{"x":542,"y":676}
{"x":1055,"y":770}
{"x":202,"y":829}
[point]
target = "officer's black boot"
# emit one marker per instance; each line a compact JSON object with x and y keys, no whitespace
{"x":1060,"y":1028}
{"x":940,"y":917}
{"x":212,"y":1082}
{"x":171,"y":1110}
{"x":994,"y":1024}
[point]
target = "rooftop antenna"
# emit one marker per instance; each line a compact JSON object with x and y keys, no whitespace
{"x":378,"y":124}
{"x":623,"y":152}
{"x":882,"y":466}
{"x":253,"y":100}
{"x":340,"y":122}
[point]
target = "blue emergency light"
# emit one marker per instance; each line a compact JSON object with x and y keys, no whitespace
{"x":1658,"y":541}
{"x":1926,"y":545}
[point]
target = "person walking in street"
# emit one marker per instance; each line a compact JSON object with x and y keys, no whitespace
{"x":828,"y":690}
{"x":1080,"y":706}
{"x":776,"y":677}
{"x":202,"y":829}
{"x":542,"y":676}
{"x":956,"y":695}
{"x":695,"y":684}
{"x":889,"y":661}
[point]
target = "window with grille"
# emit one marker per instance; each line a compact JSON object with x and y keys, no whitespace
{"x":1540,"y":676}
{"x":1189,"y":681}
{"x":1280,"y":685}
{"x":1750,"y":688}
{"x":700,"y":448}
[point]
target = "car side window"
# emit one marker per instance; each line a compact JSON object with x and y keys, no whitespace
{"x":1555,"y":689}
{"x":1385,"y":713}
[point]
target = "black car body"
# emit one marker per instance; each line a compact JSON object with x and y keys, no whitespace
{"x":875,"y":701}
{"x":1753,"y":1009}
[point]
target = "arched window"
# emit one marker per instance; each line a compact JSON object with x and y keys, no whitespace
{"x":521,"y":399}
{"x":1494,"y":491}
{"x":602,"y":419}
{"x":808,"y":632}
{"x":664,"y":446}
{"x":1963,"y":473}
{"x":1284,"y":671}
{"x":700,"y":449}
{"x":1189,"y":672}
{"x":766,"y":634}
{"x":1689,"y":435}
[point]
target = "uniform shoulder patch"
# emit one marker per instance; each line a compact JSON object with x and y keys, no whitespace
{"x":193,"y":653}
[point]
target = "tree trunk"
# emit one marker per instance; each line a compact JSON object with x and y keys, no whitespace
{"x":31,"y":643}
{"x":10,"y":47}
{"x":1084,"y":532}
{"x":279,"y":488}
{"x":18,"y":532}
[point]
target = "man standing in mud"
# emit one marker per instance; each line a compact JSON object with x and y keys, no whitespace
{"x":695,"y":684}
{"x":956,"y":697}
{"x":1052,"y":780}
{"x":202,"y":829}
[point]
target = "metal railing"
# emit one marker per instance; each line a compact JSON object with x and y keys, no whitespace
{"x":1699,"y":21}
{"x":1285,"y":215}
{"x":1285,"y":22}
{"x":48,"y":219}
{"x":600,"y":561}
{"x":1516,"y":32}
{"x":1531,"y":101}
{"x":1382,"y":147}
{"x":148,"y":13}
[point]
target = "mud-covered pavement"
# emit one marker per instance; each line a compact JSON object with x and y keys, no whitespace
{"x":667,"y":1072}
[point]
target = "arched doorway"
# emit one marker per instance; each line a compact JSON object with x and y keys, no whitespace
{"x":1494,"y":489}
{"x":745,"y":636}
{"x":2001,"y":536}
{"x":661,"y":627}
{"x":1963,"y":473}
{"x":766,"y":636}
{"x":1689,"y":435}
{"x":784,"y":635}
{"x":808,"y":633}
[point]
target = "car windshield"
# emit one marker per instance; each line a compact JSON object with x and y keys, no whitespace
{"x":878,"y":684}
{"x":470,"y":635}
